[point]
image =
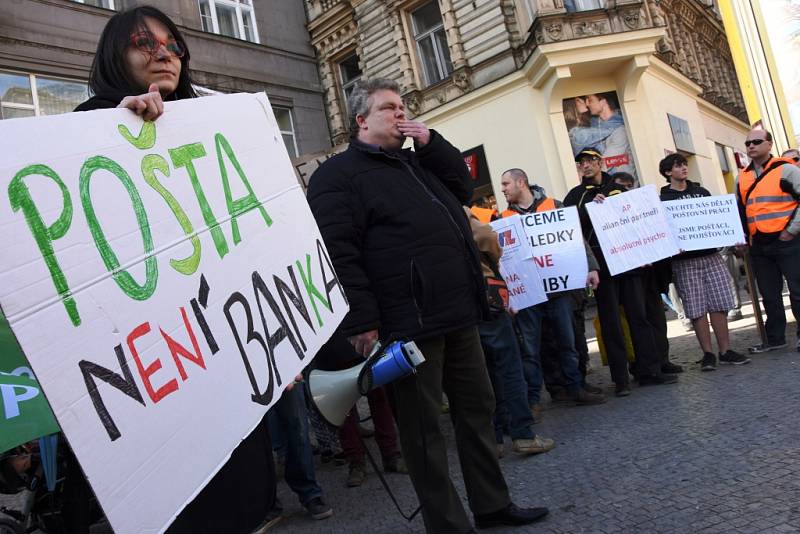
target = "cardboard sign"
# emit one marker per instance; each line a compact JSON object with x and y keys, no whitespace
{"x":632,"y":229}
{"x":166,"y":281}
{"x":705,"y":222}
{"x":559,"y":253}
{"x":24,"y":412}
{"x":519,"y":271}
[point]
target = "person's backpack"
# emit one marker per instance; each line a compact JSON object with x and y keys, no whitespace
{"x":496,"y":293}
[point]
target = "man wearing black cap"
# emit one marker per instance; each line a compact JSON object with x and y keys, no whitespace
{"x":624,"y":289}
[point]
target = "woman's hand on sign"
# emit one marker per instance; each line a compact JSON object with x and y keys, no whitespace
{"x":786,"y":235}
{"x":363,"y":343}
{"x":599,"y":198}
{"x":149,"y":106}
{"x":593,"y":279}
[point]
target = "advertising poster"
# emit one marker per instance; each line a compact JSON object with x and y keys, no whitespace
{"x":595,"y":120}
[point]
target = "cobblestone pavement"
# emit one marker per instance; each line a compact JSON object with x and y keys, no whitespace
{"x":718,"y":452}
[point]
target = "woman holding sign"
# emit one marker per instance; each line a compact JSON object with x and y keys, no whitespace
{"x":142,"y":61}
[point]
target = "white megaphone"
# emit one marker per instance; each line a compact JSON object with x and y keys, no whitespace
{"x":335,"y":392}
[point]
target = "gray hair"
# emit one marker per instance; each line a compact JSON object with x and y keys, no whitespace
{"x":360,"y":100}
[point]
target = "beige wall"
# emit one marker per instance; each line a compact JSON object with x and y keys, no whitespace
{"x":520,"y":126}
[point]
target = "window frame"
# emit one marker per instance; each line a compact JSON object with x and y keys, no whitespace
{"x":288,"y":132}
{"x":239,"y":6}
{"x":441,"y":64}
{"x":111,"y":5}
{"x":344,"y":86}
{"x":37,"y":112}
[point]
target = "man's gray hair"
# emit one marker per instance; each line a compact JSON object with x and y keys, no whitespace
{"x":360,"y":100}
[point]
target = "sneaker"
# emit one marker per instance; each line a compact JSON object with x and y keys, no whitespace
{"x":356,"y":475}
{"x":734,"y":315}
{"x":622,"y":390}
{"x":767,"y":347}
{"x":671,"y":368}
{"x":395,"y":464}
{"x":709,"y":362}
{"x":536,"y":412}
{"x":536,"y":445}
{"x":317,"y":508}
{"x":585,"y":398}
{"x":657,"y":380}
{"x":733,"y":358}
{"x":592,"y":388}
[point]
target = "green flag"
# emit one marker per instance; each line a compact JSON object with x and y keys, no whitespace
{"x":24,"y":412}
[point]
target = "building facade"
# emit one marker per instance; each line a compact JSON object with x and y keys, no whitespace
{"x":47,"y":46}
{"x":528,"y":83}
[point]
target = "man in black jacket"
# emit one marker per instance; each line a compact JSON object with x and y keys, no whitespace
{"x":403,"y":250}
{"x":624,"y":289}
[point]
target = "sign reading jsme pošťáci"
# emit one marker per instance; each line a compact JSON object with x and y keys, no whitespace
{"x":705,"y":222}
{"x":166,"y":281}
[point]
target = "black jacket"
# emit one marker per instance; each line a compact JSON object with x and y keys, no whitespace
{"x":400,"y":242}
{"x":693,"y":190}
{"x":97,"y":102}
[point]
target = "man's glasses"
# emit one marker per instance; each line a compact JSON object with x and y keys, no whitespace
{"x":149,"y":43}
{"x":754,"y":142}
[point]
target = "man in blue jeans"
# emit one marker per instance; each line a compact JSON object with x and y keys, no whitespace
{"x":523,"y":198}
{"x":288,"y":425}
{"x":503,"y":360}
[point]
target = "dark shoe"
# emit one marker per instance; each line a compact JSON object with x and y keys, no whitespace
{"x":671,"y":368}
{"x":768,"y":347}
{"x":709,"y":362}
{"x":561,"y":395}
{"x":584,"y":397}
{"x":317,"y":508}
{"x":511,"y":516}
{"x":733,"y":358}
{"x":356,"y":475}
{"x":622,"y":390}
{"x":395,"y":464}
{"x":656,"y":380}
{"x":592,"y":389}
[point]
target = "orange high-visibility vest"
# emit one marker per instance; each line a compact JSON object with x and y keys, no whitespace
{"x":484,"y":215}
{"x":768,"y":208}
{"x":545,"y":205}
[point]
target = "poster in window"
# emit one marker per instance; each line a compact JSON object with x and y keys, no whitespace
{"x":595,"y":120}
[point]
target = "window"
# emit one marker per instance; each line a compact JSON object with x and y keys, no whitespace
{"x":108,"y":4}
{"x":350,"y":73}
{"x":28,"y":95}
{"x":286,"y":126}
{"x":434,"y":54}
{"x":583,"y":5}
{"x":234,"y":18}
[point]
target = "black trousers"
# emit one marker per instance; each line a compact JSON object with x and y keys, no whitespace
{"x":626,"y":290}
{"x":454,"y":363}
{"x":654,"y":308}
{"x":774,"y":261}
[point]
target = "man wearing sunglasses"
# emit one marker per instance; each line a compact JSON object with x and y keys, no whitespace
{"x":768,"y":191}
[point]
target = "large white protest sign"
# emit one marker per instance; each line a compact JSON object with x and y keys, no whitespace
{"x":556,"y":240}
{"x":632,"y":229}
{"x":705,"y":222}
{"x":166,"y":281}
